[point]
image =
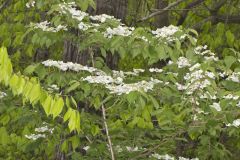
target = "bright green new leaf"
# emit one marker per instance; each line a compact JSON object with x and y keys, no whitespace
{"x":57,"y":107}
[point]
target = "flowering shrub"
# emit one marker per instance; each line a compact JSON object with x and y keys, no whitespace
{"x":187,"y":108}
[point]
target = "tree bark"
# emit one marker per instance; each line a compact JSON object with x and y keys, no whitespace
{"x":162,"y":19}
{"x":116,"y":8}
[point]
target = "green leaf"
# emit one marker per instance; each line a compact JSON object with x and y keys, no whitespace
{"x":35,"y":93}
{"x":230,"y":38}
{"x":47,"y":105}
{"x":67,"y":115}
{"x":74,"y":86}
{"x":57,"y":107}
{"x":229,"y":60}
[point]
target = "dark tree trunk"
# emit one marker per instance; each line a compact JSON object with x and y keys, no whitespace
{"x":162,"y":19}
{"x":116,"y":8}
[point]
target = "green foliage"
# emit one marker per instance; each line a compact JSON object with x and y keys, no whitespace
{"x":164,"y":120}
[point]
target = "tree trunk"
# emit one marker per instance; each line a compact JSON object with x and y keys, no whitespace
{"x":116,"y":8}
{"x":162,"y":19}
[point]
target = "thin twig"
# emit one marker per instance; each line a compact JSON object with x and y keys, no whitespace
{"x":107,"y":132}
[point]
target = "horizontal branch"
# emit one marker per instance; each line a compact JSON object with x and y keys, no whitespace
{"x":187,"y":9}
{"x":228,"y":19}
{"x":161,"y":11}
{"x":235,"y":19}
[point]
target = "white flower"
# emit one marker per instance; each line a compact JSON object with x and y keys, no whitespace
{"x":166,"y":32}
{"x":127,"y":88}
{"x":69,"y":66}
{"x":131,"y":149}
{"x":83,"y":26}
{"x":180,"y":87}
{"x":144,"y":38}
{"x":99,"y":79}
{"x":120,"y":30}
{"x":2,"y":95}
{"x":44,"y":129}
{"x":223,"y":74}
{"x":102,"y":18}
{"x":230,"y":96}
{"x":208,"y":95}
{"x":238,"y":104}
{"x":216,"y":106}
{"x":195,"y":66}
{"x":164,"y":157}
{"x":71,"y":8}
{"x":138,"y":71}
{"x":183,"y":62}
{"x":210,"y":75}
{"x":236,"y":123}
{"x":155,"y":70}
{"x":35,"y":136}
{"x":44,"y":26}
{"x":170,"y":62}
{"x":211,"y":58}
{"x":86,"y":148}
{"x":30,"y":4}
{"x":234,"y":77}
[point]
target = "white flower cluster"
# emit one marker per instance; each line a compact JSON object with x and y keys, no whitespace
{"x":231,"y":97}
{"x":157,"y":70}
{"x":46,"y":28}
{"x":238,"y":104}
{"x":144,"y":38}
{"x":166,"y":32}
{"x":196,"y":80}
{"x":234,"y":77}
{"x":216,"y":106}
{"x":163,"y":157}
{"x":129,"y":73}
{"x":2,"y":95}
{"x":68,"y":66}
{"x":103,"y":79}
{"x":211,"y":58}
{"x":203,"y":51}
{"x":127,"y":88}
{"x":183,"y":62}
{"x":168,"y":157}
{"x":132,"y":149}
{"x":114,"y":84}
{"x":30,"y":4}
{"x":44,"y":129}
{"x":86,"y":148}
{"x":71,"y":8}
{"x":101,"y":18}
{"x":41,"y":131}
{"x":195,"y":66}
{"x":53,"y":87}
{"x":235,"y":123}
{"x":83,"y":26}
{"x":35,"y":136}
{"x":120,"y":31}
{"x":207,"y":95}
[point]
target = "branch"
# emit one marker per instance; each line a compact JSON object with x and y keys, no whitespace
{"x":235,"y":19}
{"x":230,"y":19}
{"x":185,"y":12}
{"x":107,"y":132}
{"x":161,"y":11}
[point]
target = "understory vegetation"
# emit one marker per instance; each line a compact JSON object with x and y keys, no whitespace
{"x":140,"y":79}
